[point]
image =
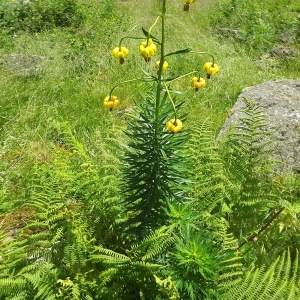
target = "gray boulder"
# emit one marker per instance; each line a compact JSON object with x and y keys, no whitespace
{"x":280,"y":99}
{"x":284,"y":52}
{"x":23,"y":64}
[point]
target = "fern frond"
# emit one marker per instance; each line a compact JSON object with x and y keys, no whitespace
{"x":153,"y":244}
{"x":212,"y":189}
{"x":278,"y":281}
{"x":140,"y":261}
{"x":109,"y":257}
{"x":63,"y":135}
{"x":246,"y":150}
{"x":10,"y":285}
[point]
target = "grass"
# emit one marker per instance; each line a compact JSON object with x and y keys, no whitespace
{"x":80,"y":71}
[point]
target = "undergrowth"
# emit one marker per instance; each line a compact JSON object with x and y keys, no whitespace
{"x":142,"y":200}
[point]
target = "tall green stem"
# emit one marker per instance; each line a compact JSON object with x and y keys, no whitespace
{"x":160,"y":69}
{"x":162,"y":48}
{"x":157,"y":99}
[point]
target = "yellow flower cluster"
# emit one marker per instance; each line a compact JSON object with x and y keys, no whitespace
{"x":174,"y":125}
{"x":120,"y":53}
{"x":110,"y":102}
{"x":211,"y":68}
{"x":198,"y":83}
{"x":147,"y":49}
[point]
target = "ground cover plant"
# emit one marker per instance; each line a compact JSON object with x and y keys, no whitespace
{"x":113,"y":185}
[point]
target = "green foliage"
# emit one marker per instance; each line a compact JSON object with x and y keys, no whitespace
{"x":131,"y":275}
{"x":246,"y":151}
{"x":199,"y":260}
{"x":38,"y":15}
{"x":72,"y":211}
{"x":65,"y":206}
{"x":259,"y":23}
{"x":154,"y":162}
{"x":236,"y":182}
{"x":278,"y":281}
{"x":205,"y":259}
{"x":235,"y":177}
{"x":211,"y":185}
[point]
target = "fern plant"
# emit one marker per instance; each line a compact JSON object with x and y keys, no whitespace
{"x":278,"y":281}
{"x":52,"y":246}
{"x":48,"y":258}
{"x":130,"y":274}
{"x":212,"y":189}
{"x":256,"y":201}
{"x":236,"y":182}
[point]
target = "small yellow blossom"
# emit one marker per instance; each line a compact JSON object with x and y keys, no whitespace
{"x":110,"y":102}
{"x":174,"y":125}
{"x":147,"y":49}
{"x":198,"y":82}
{"x":165,"y":65}
{"x":211,"y":68}
{"x":120,"y":53}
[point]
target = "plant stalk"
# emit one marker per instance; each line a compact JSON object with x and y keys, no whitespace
{"x":157,"y":99}
{"x":263,"y":228}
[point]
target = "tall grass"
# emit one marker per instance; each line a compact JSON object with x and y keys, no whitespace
{"x":80,"y":71}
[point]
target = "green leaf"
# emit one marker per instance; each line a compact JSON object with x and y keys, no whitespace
{"x":148,"y":35}
{"x":182,"y":51}
{"x":174,"y":91}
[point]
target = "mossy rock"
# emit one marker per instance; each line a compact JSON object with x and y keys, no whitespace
{"x":24,"y":65}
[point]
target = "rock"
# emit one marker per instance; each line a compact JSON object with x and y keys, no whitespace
{"x":266,"y":61}
{"x":24,"y":65}
{"x":284,"y":52}
{"x":280,"y":99}
{"x":287,"y":36}
{"x":228,"y":32}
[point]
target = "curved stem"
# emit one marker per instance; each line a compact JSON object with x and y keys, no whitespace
{"x":203,"y":52}
{"x":129,"y":37}
{"x":173,"y":104}
{"x":122,"y":82}
{"x":154,"y":23}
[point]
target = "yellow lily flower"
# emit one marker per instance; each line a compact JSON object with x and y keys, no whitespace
{"x":110,"y":102}
{"x":174,"y":125}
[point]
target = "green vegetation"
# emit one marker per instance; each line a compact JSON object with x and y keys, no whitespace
{"x":99,"y":203}
{"x":266,"y":21}
{"x":35,"y":15}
